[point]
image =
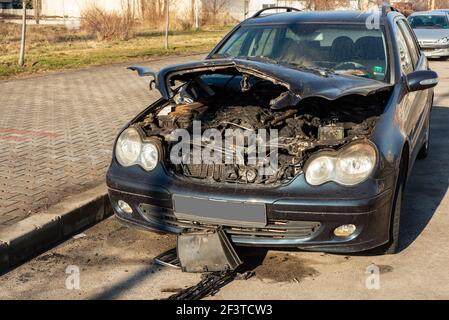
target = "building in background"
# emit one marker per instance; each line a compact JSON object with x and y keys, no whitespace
{"x":74,"y":8}
{"x":10,"y":4}
{"x":232,"y":9}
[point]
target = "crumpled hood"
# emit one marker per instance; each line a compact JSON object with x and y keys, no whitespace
{"x":301,"y":83}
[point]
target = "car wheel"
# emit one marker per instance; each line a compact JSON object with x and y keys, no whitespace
{"x":424,"y":152}
{"x":392,"y":246}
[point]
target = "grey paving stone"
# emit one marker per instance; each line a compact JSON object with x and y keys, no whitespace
{"x":57,"y":131}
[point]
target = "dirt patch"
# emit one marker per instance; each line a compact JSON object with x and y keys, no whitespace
{"x":283,"y":267}
{"x":50,"y":256}
{"x":104,"y":246}
{"x":141,"y":242}
{"x":385,"y":269}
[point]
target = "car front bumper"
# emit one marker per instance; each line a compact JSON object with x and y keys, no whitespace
{"x":292,"y":221}
{"x":436,"y":52}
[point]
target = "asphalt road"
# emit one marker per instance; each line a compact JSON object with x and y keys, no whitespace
{"x":114,"y":262}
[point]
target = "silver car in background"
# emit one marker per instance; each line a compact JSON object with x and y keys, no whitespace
{"x":432,"y":30}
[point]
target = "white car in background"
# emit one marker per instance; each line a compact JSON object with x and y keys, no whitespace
{"x":432,"y":30}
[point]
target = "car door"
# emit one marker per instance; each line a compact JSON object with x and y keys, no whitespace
{"x":423,"y":99}
{"x":413,"y":105}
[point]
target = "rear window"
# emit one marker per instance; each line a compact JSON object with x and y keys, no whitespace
{"x":344,"y":49}
{"x":429,"y":22}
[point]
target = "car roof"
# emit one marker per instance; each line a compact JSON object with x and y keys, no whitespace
{"x":313,"y":16}
{"x":430,"y":13}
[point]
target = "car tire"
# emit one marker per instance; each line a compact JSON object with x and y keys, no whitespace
{"x":424,"y":152}
{"x":392,"y":247}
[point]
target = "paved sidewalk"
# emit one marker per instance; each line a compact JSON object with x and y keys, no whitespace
{"x":57,"y":130}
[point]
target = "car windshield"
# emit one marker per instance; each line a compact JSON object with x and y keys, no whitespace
{"x":429,"y":22}
{"x":343,"y":49}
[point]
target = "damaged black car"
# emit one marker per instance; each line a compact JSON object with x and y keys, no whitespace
{"x":330,"y":113}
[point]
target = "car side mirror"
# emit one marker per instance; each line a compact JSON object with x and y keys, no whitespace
{"x":421,"y":80}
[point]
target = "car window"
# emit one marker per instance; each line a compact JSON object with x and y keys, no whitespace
{"x":404,"y":53}
{"x":344,"y":49}
{"x":414,"y":49}
{"x":234,"y":45}
{"x":263,"y":44}
{"x":429,"y":21}
{"x":250,"y":42}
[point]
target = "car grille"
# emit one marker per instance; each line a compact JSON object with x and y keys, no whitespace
{"x":202,"y":171}
{"x":275,"y":229}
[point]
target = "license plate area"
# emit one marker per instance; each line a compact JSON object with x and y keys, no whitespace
{"x":228,"y":213}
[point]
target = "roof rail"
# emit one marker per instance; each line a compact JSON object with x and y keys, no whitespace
{"x":289,"y":9}
{"x":387,"y":8}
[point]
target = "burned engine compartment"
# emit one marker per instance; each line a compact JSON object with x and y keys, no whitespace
{"x":244,"y":103}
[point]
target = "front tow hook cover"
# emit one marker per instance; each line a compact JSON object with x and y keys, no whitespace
{"x":207,"y":252}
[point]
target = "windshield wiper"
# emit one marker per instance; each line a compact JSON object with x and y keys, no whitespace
{"x":220,"y":55}
{"x":319,"y":70}
{"x":259,"y":58}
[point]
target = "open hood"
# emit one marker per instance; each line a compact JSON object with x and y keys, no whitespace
{"x":301,"y":83}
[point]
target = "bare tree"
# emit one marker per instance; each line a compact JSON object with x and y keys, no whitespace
{"x":421,"y":5}
{"x":192,"y":10}
{"x":212,"y":9}
{"x":153,"y":11}
{"x":441,"y":4}
{"x":37,"y":5}
{"x":366,"y":4}
{"x":326,"y":4}
{"x":333,"y":4}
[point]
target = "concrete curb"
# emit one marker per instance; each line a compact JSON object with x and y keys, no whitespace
{"x":33,"y":235}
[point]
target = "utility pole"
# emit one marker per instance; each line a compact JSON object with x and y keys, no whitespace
{"x":167,"y":22}
{"x":63,"y":12}
{"x":24,"y":29}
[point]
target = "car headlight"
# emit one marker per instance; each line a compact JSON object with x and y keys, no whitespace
{"x":320,"y":170}
{"x":355,"y":163}
{"x":128,"y":147}
{"x":444,"y":40}
{"x":350,"y":166}
{"x":149,"y":156}
{"x":131,"y":150}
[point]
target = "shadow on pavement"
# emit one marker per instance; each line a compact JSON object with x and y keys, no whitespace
{"x":251,"y":257}
{"x":428,"y":182}
{"x":121,"y":287}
